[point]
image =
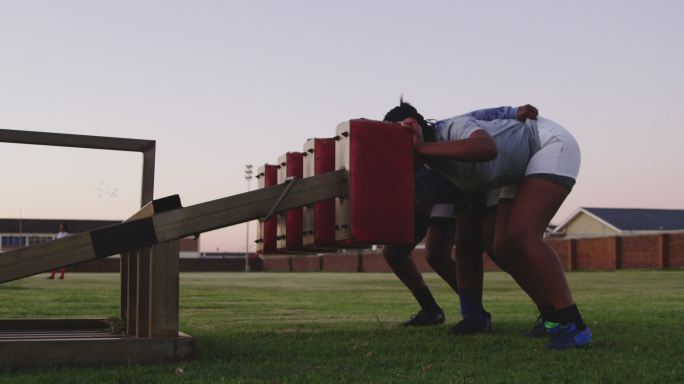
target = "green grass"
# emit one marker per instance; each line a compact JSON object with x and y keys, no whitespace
{"x":321,"y":327}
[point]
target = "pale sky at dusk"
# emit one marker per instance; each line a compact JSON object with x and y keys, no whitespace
{"x":220,"y":84}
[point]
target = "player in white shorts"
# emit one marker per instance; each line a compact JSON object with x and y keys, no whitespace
{"x":448,"y":207}
{"x":481,"y":155}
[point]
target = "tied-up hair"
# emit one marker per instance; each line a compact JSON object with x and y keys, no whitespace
{"x":405,"y":110}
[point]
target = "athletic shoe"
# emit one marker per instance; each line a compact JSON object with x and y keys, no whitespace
{"x":541,"y":329}
{"x":568,"y":336}
{"x":423,"y":318}
{"x":470,"y":326}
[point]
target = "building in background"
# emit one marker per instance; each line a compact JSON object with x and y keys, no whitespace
{"x":17,"y":233}
{"x":594,"y":222}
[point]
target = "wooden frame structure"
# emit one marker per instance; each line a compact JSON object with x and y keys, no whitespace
{"x":372,"y":185}
{"x":149,"y":245}
{"x":139,"y":275}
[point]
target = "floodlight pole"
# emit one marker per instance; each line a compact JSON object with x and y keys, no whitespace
{"x":248,"y":177}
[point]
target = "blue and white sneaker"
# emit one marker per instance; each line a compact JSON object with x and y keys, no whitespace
{"x":567,"y":336}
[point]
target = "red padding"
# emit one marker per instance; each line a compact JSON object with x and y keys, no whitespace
{"x":270,"y":226}
{"x":381,"y":190}
{"x":324,"y":211}
{"x":295,"y":221}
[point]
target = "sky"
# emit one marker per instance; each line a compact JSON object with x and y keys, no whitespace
{"x":221,"y":84}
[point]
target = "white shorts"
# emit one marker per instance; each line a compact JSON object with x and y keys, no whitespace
{"x":559,"y":155}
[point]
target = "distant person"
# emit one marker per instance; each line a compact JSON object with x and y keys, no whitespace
{"x":63,"y":232}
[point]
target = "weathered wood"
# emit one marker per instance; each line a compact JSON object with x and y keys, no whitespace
{"x":76,"y":141}
{"x":54,"y":324}
{"x":123,"y":284}
{"x":143,"y":292}
{"x":29,"y":261}
{"x":131,"y":299}
{"x":70,"y":250}
{"x":166,"y":226}
{"x":164,"y":289}
{"x":246,"y":206}
{"x":148,"y":208}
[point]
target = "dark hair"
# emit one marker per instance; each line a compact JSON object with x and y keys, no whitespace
{"x":66,"y":228}
{"x":405,"y":110}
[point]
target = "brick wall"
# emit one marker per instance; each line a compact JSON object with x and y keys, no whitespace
{"x":565,"y":249}
{"x":374,"y":262}
{"x":596,"y":253}
{"x":603,"y":253}
{"x":341,"y":262}
{"x":639,"y":252}
{"x":276,"y":263}
{"x":305,"y":263}
{"x":675,"y":250}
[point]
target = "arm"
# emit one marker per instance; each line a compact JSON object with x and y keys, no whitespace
{"x":520,"y":113}
{"x":490,"y":114}
{"x":478,"y":147}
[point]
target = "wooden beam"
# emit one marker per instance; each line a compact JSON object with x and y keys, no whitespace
{"x":75,"y":141}
{"x":66,"y":350}
{"x":54,"y":324}
{"x":247,"y":206}
{"x":80,"y":247}
{"x":166,"y":226}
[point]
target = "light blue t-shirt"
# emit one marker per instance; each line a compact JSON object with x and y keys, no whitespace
{"x":516,"y":143}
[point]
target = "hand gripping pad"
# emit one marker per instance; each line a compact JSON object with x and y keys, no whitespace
{"x":379,"y":158}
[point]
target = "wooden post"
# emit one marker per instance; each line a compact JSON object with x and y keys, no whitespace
{"x":131,"y":282}
{"x":144,"y":291}
{"x":123,"y":278}
{"x":131,"y":298}
{"x":164,"y":289}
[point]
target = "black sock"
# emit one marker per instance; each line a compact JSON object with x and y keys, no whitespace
{"x":548,"y":313}
{"x":425,"y":299}
{"x":571,"y":315}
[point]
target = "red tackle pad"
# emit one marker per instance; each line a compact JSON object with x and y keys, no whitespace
{"x":267,"y":176}
{"x":290,"y":223}
{"x":380,"y":206}
{"x":319,"y":218}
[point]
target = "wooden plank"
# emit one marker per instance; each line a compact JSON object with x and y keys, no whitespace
{"x":164,"y":289}
{"x":166,"y":226}
{"x":94,"y":351}
{"x":43,"y":257}
{"x":123,"y":278}
{"x":148,"y":209}
{"x":57,"y":323}
{"x":247,"y":206}
{"x":132,"y":295}
{"x":74,"y":141}
{"x":144,"y":291}
{"x":73,"y":249}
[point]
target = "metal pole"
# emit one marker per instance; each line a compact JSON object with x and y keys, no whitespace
{"x":248,"y":177}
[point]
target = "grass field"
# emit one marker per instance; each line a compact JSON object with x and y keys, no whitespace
{"x":330,"y":328}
